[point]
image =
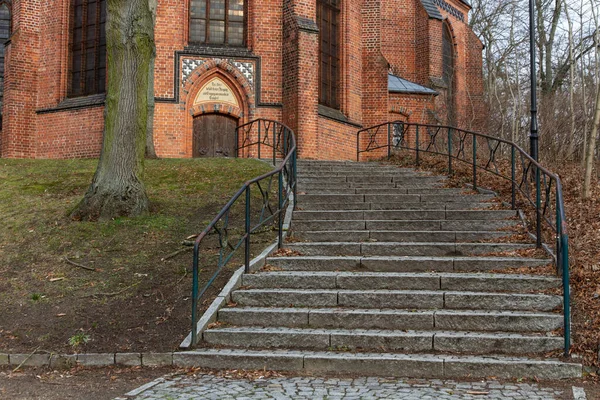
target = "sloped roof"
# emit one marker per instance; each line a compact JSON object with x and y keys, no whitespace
{"x":434,"y":12}
{"x":431,"y":9}
{"x":399,"y":85}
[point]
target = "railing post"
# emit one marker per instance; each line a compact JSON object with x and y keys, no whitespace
{"x":295,"y":173}
{"x":418,"y":145}
{"x":474,"y":162}
{"x":513,"y":162}
{"x":389,"y":146}
{"x":247,"y":239}
{"x":259,"y":124}
{"x":538,"y":206}
{"x":237,"y":142}
{"x":274,"y":142}
{"x":195,"y":294}
{"x":449,"y":151}
{"x":281,"y":214}
{"x":358,"y":146}
{"x":566,"y":292}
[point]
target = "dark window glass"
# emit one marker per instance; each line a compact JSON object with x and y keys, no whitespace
{"x":328,"y":16}
{"x":88,"y":48}
{"x":217,"y":22}
{"x":448,"y":55}
{"x":4,"y":35}
{"x":448,"y":73}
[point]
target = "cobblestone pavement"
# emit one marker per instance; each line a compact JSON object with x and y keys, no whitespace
{"x":214,"y":387}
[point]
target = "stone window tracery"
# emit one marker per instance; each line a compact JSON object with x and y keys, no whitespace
{"x":218,"y":22}
{"x":88,"y":48}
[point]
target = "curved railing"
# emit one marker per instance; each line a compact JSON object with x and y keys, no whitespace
{"x":533,"y":188}
{"x":258,"y":138}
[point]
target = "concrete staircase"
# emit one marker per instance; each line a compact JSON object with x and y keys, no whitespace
{"x":389,"y":273}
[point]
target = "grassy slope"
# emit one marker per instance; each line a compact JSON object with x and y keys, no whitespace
{"x":45,"y":301}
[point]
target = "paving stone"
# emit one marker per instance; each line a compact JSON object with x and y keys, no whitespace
{"x":95,"y":360}
{"x":4,"y":359}
{"x":507,"y":368}
{"x":377,"y":364}
{"x":370,"y":319}
{"x":30,"y":360}
{"x":129,"y":359}
{"x":223,"y":359}
{"x":404,"y":299}
{"x":157,"y":359}
{"x":62,"y":361}
{"x":497,"y":321}
{"x":264,"y":316}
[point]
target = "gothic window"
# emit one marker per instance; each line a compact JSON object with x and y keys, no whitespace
{"x":328,"y":16}
{"x":88,"y":48}
{"x":217,"y":22}
{"x":4,"y":35}
{"x":448,"y":71}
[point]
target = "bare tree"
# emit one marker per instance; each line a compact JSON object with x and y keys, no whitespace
{"x":117,"y":188}
{"x":591,"y":149}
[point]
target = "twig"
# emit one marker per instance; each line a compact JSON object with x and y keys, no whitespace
{"x":112,"y":294}
{"x":26,"y":358}
{"x":79,"y":265}
{"x":175,"y":254}
{"x":183,"y":277}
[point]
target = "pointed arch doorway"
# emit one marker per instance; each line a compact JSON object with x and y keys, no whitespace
{"x":214,"y":136}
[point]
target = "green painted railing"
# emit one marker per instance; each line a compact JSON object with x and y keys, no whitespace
{"x":533,"y":187}
{"x":258,"y":138}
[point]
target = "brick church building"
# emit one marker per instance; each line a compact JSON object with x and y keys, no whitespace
{"x":326,"y":68}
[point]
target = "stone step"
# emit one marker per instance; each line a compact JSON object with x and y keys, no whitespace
{"x":302,"y":189}
{"x":464,"y":205}
{"x":360,"y":318}
{"x":377,"y":185}
{"x":398,"y":236}
{"x":390,"y":198}
{"x":397,"y":299}
{"x":348,"y":165}
{"x":402,"y":215}
{"x":371,"y":178}
{"x":378,"y":364}
{"x":403,"y":248}
{"x":358,"y":173}
{"x":400,"y":281}
{"x":382,"y":340}
{"x":402,"y":263}
{"x":400,"y":225}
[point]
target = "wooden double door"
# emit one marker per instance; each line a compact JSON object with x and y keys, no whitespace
{"x":214,"y":136}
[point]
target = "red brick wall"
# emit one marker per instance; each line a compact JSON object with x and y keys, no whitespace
{"x":71,"y":134}
{"x":336,"y":141}
{"x":21,"y":78}
{"x":413,"y":108}
{"x":374,"y":35}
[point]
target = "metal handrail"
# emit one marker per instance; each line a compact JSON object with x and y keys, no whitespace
{"x":526,"y":179}
{"x":281,"y":143}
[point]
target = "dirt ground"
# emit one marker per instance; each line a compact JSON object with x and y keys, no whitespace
{"x":112,"y":286}
{"x":83,"y":384}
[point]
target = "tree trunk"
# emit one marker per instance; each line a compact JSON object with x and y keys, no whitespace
{"x":150,"y":150}
{"x":591,"y":150}
{"x":117,"y":188}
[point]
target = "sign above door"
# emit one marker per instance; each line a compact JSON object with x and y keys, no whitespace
{"x":216,"y":91}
